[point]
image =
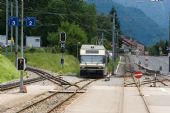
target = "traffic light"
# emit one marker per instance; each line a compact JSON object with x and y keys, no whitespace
{"x":21,"y":64}
{"x":62,"y":37}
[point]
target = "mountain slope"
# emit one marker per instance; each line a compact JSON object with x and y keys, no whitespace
{"x":158,"y":11}
{"x":135,"y":23}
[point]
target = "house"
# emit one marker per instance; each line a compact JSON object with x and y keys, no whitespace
{"x":132,"y":46}
{"x":33,"y":41}
{"x":3,"y":41}
{"x":140,"y":48}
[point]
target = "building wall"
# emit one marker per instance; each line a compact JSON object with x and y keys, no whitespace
{"x":33,"y":41}
{"x":141,"y":49}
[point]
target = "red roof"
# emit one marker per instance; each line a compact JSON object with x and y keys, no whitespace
{"x":129,"y":42}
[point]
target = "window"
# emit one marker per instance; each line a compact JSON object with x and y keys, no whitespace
{"x":37,"y":40}
{"x":93,"y":59}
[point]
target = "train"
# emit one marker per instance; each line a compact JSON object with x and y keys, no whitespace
{"x":93,"y":61}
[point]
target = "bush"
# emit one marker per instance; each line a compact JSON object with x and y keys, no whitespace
{"x":33,"y":50}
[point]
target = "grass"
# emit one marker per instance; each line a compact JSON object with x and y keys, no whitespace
{"x":110,"y":64}
{"x":47,"y":61}
{"x":51,"y":62}
{"x":7,"y":70}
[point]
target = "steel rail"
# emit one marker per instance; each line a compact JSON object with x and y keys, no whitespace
{"x":62,"y":102}
{"x":12,"y":85}
{"x":48,"y":97}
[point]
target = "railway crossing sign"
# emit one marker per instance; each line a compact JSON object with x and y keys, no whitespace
{"x":138,"y":74}
{"x":13,"y":21}
{"x":30,"y":21}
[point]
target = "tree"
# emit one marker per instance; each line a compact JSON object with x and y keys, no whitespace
{"x":50,"y":14}
{"x":53,"y":39}
{"x":75,"y":34}
{"x":2,"y":18}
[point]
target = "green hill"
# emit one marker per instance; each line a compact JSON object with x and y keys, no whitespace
{"x":7,"y":70}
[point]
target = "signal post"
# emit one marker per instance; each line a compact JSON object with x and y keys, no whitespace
{"x":62,"y":42}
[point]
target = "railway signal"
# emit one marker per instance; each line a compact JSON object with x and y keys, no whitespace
{"x":21,"y":65}
{"x":62,"y":42}
{"x":62,"y":50}
{"x":62,"y":61}
{"x":62,"y":37}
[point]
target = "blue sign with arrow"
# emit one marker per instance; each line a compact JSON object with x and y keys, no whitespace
{"x":30,"y":21}
{"x":13,"y":21}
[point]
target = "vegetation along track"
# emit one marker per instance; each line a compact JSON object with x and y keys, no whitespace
{"x":56,"y":99}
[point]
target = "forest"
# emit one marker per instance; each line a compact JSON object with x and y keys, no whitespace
{"x":80,"y":20}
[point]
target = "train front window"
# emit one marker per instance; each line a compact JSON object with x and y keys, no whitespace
{"x":95,"y":59}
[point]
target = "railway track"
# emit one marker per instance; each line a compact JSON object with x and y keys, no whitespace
{"x":142,"y":96}
{"x":55,"y":79}
{"x":53,"y":101}
{"x":137,"y":85}
{"x":159,"y":79}
{"x":42,"y":76}
{"x":12,"y":85}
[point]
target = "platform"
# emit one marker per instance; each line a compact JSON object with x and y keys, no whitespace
{"x":98,"y":99}
{"x":133,"y":102}
{"x":158,"y":99}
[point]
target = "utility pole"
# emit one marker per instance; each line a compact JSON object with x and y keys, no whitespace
{"x":113,"y":43}
{"x":78,"y":50}
{"x":11,"y":27}
{"x":22,"y":38}
{"x":16,"y":31}
{"x":117,"y":43}
{"x":102,"y":39}
{"x":7,"y":7}
{"x":169,"y":41}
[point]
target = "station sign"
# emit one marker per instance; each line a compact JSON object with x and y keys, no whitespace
{"x":13,"y":21}
{"x":30,"y":21}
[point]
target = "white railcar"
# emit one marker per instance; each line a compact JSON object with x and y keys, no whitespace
{"x":93,"y":60}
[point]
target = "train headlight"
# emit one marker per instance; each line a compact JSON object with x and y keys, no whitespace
{"x":100,"y":67}
{"x":82,"y":67}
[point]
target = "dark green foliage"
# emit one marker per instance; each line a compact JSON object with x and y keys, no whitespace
{"x":75,"y":35}
{"x":76,"y":17}
{"x":105,"y":26}
{"x":2,"y":18}
{"x":159,"y":48}
{"x":50,"y":14}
